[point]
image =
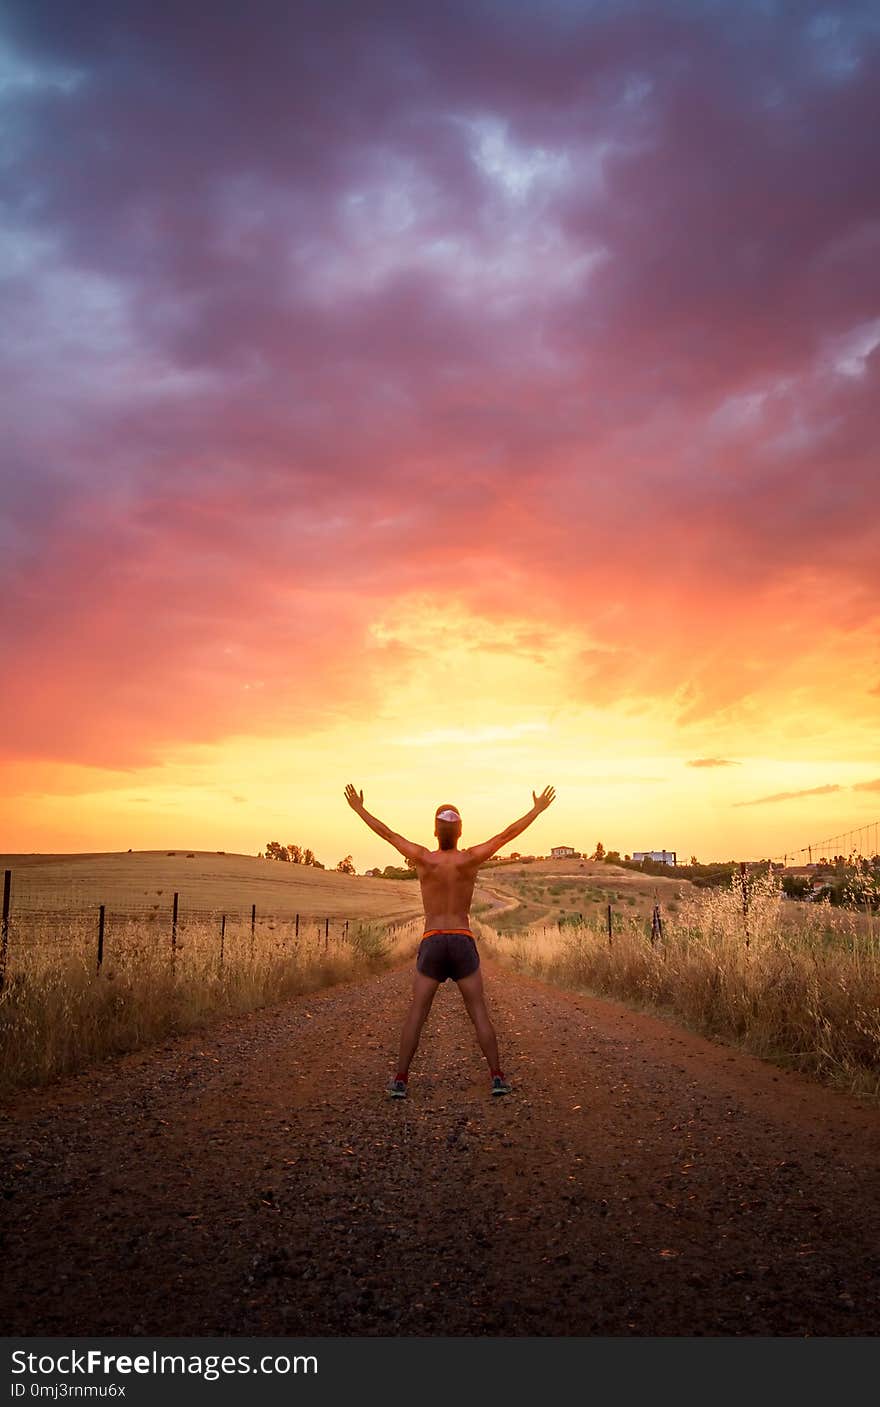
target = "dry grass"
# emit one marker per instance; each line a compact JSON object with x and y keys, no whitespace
{"x":804,"y":992}
{"x":58,"y":1013}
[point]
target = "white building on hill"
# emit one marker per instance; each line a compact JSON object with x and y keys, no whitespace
{"x":562,"y":852}
{"x":660,"y":857}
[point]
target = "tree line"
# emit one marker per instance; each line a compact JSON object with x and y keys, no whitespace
{"x":292,"y":854}
{"x":302,"y":855}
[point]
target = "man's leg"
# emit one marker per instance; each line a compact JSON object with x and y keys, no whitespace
{"x":471,"y":989}
{"x":422,"y":995}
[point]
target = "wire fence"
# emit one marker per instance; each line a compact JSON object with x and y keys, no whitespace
{"x":29,"y":929}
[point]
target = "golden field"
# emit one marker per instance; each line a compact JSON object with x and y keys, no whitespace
{"x":795,"y":983}
{"x":143,"y":882}
{"x":60,"y":1011}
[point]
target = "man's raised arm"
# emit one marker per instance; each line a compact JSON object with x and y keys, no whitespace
{"x":406,"y":847}
{"x":484,"y":852}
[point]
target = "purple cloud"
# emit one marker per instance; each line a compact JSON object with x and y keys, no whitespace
{"x":309,"y":310}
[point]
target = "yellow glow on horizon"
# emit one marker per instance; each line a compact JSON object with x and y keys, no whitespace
{"x":481,"y":713}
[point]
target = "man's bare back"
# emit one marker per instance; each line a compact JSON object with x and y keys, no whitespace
{"x":447,"y":879}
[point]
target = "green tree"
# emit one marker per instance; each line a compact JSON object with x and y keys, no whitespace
{"x":599,"y":853}
{"x":346,"y":866}
{"x":295,"y":853}
{"x":274,"y":851}
{"x":308,"y":857}
{"x":398,"y":872}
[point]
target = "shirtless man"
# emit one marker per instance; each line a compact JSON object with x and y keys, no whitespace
{"x":447,"y":877}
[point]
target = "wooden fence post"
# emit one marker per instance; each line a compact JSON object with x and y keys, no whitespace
{"x":609,"y":925}
{"x":4,"y":931}
{"x":253,"y":918}
{"x":100,"y":936}
{"x":222,"y":937}
{"x":656,"y":926}
{"x":326,"y":933}
{"x":296,"y":929}
{"x":174,"y":930}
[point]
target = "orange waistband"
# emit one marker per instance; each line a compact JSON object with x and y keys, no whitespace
{"x":429,"y":932}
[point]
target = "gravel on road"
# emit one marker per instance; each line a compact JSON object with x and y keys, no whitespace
{"x":254,"y":1179}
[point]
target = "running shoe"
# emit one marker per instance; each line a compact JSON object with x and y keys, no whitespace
{"x":500,"y":1085}
{"x":397,"y":1089}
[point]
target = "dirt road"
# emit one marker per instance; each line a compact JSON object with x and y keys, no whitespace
{"x":254,"y":1180}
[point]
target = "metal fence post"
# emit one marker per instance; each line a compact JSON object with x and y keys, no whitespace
{"x":4,"y":931}
{"x":174,"y":930}
{"x":296,"y":929}
{"x":326,"y":932}
{"x":610,"y":921}
{"x":100,"y":936}
{"x":222,"y":937}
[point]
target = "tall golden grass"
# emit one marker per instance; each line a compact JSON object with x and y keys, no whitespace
{"x":798,"y":984}
{"x":59,"y":1013}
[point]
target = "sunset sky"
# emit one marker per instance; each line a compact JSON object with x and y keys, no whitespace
{"x":453,"y":399}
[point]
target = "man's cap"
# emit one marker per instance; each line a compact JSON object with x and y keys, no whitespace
{"x":448,"y":813}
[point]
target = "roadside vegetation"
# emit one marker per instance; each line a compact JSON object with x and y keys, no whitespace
{"x":579,"y":891}
{"x":59,"y":1012}
{"x":798,"y":984}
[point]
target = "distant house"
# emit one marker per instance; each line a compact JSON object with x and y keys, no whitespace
{"x":660,"y":857}
{"x":562,"y":852}
{"x":374,"y":873}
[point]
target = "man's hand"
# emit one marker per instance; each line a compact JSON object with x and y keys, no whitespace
{"x":543,"y":801}
{"x":406,"y":847}
{"x":354,"y":798}
{"x":481,"y":853}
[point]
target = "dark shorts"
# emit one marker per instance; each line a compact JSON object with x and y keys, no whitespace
{"x":443,"y":955}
